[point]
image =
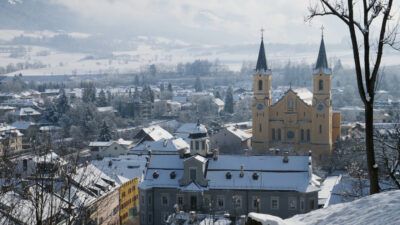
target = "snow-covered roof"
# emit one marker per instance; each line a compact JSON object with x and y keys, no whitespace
{"x":122,"y":168}
{"x":304,"y":94}
{"x":382,"y":208}
{"x":259,"y":163}
{"x":191,"y":128}
{"x":22,"y":125}
{"x":239,"y":133}
{"x":100,"y":143}
{"x":124,"y":142}
{"x":271,"y":172}
{"x":28,"y":111}
{"x":192,"y":187}
{"x":266,"y":219}
{"x":105,"y":109}
{"x":172,"y":144}
{"x":156,"y":132}
{"x":218,"y":102}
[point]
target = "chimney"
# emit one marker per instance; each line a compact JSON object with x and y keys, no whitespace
{"x":309,"y":158}
{"x":285,"y":157}
{"x":165,"y":143}
{"x":192,"y":217}
{"x":243,"y":219}
{"x":241,"y":170}
{"x":215,"y":154}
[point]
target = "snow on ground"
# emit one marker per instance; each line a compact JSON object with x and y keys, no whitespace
{"x":377,"y":209}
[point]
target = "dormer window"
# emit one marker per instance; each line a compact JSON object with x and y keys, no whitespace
{"x":193,"y":173}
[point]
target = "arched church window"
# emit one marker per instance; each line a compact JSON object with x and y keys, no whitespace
{"x":260,"y":84}
{"x":320,"y":85}
{"x":260,"y":128}
{"x":302,"y":135}
{"x":308,"y":134}
{"x":273,"y":134}
{"x":320,"y":129}
{"x":290,"y":105}
{"x":279,"y":134}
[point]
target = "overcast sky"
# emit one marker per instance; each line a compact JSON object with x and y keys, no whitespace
{"x":208,"y":21}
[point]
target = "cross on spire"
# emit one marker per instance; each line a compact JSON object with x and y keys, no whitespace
{"x":262,"y":33}
{"x":322,"y":30}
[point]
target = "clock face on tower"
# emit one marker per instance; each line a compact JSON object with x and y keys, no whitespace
{"x":320,"y":107}
{"x":260,"y":106}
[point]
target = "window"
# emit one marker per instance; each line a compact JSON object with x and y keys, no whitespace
{"x":179,"y":200}
{"x":304,"y":114}
{"x":320,"y":129}
{"x":115,"y":210}
{"x":260,"y":128}
{"x":279,"y":134}
{"x":290,"y":104}
{"x":164,"y":200}
{"x":320,"y":85}
{"x":123,"y":194}
{"x":256,"y":203}
{"x":149,"y":200}
{"x":197,"y":145}
{"x":302,"y":135}
{"x":25,"y":164}
{"x":142,"y":199}
{"x":290,"y":134}
{"x":312,"y":203}
{"x":143,"y":218}
{"x":308,"y":134}
{"x":273,"y":134}
{"x":302,"y":204}
{"x":292,"y":203}
{"x":274,"y":202}
{"x":203,"y":144}
{"x":191,"y":145}
{"x":260,"y":84}
{"x":220,"y":202}
{"x":150,"y":219}
{"x":193,"y":174}
{"x":238,"y":201}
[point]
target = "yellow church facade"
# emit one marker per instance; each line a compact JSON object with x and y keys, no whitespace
{"x":299,"y":121}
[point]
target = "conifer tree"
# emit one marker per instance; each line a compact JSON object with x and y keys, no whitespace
{"x":170,"y":87}
{"x":229,"y":101}
{"x":105,"y":133}
{"x":198,"y":87}
{"x":62,"y":104}
{"x":102,"y":100}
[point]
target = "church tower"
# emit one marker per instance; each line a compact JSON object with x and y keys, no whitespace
{"x":321,"y":137}
{"x":261,"y":101}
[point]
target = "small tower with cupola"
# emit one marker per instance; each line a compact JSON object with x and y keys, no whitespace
{"x":261,"y":101}
{"x":199,"y":141}
{"x":321,"y":134}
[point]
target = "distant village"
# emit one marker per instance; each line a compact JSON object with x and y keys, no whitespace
{"x":164,"y":153}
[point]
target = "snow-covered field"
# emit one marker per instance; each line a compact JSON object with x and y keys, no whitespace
{"x":379,"y":209}
{"x":142,"y":51}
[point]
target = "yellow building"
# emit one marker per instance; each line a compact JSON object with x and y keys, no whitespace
{"x":129,"y":201}
{"x":301,"y":120}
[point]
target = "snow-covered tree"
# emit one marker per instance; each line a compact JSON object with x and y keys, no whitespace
{"x":89,"y":93}
{"x":162,"y":88}
{"x":229,"y":101}
{"x":102,"y":100}
{"x":62,"y":104}
{"x":105,"y":133}
{"x":198,"y":86}
{"x":170,"y":87}
{"x":50,"y":113}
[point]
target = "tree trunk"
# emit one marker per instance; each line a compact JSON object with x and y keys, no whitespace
{"x":369,"y":142}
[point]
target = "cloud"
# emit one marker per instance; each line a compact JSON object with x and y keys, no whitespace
{"x":230,"y":21}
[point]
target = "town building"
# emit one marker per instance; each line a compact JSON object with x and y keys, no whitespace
{"x":301,"y":120}
{"x":231,"y":140}
{"x":206,"y":182}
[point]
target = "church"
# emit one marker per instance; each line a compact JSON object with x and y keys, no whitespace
{"x":299,"y":121}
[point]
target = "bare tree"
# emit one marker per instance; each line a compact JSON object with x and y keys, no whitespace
{"x":361,"y":28}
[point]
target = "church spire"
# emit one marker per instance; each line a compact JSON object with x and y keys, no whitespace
{"x":322,"y":63}
{"x":262,"y":60}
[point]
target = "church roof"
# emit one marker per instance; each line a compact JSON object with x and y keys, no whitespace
{"x":322,"y":62}
{"x":262,"y":60}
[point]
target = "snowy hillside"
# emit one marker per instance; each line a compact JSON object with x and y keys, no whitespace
{"x":380,"y":208}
